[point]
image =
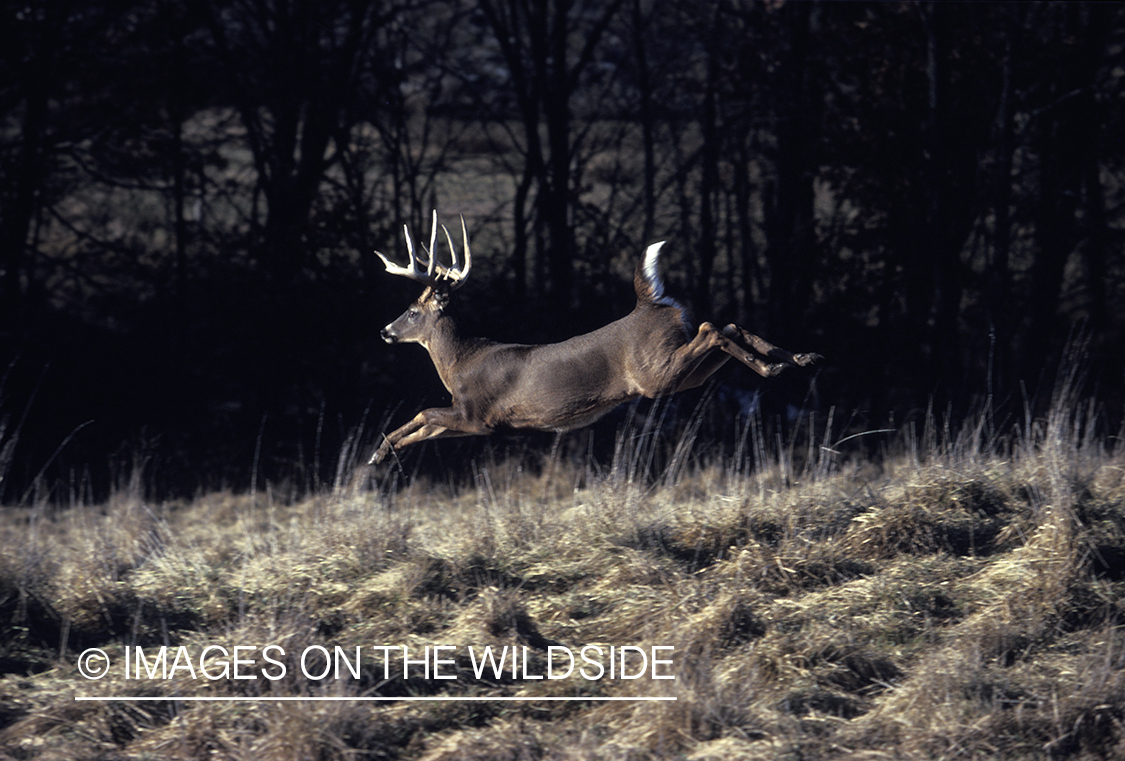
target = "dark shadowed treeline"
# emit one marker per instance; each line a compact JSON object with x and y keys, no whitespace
{"x":929,"y":194}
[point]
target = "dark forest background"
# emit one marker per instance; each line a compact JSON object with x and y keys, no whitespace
{"x":929,"y":194}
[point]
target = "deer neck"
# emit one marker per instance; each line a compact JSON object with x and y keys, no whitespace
{"x":447,"y":348}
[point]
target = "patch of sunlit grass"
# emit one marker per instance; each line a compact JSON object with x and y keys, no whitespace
{"x":960,"y":598}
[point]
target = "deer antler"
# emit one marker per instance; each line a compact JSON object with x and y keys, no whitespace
{"x":429,"y":272}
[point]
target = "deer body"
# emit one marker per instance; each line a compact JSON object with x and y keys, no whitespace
{"x":650,"y":352}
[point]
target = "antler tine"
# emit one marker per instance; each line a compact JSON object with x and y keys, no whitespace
{"x":454,"y":276}
{"x":460,"y":271}
{"x":434,"y":274}
{"x":468,"y":255}
{"x":415,"y":260}
{"x":414,"y":271}
{"x":433,"y":237}
{"x":452,"y":252}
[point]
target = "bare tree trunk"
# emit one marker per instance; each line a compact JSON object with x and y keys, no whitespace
{"x":512,"y":21}
{"x":999,"y":274}
{"x":289,"y":125}
{"x":790,"y":220}
{"x":22,"y":200}
{"x":1067,"y":138}
{"x":535,"y":37}
{"x":941,"y":244}
{"x":1091,"y":118}
{"x":556,"y":207}
{"x":648,"y":127}
{"x":748,"y":253}
{"x":1097,"y":246}
{"x":709,"y":177}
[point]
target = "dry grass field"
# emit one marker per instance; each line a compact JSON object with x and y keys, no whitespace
{"x":959,"y":597}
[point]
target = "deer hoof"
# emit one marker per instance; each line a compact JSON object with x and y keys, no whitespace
{"x":806,"y":359}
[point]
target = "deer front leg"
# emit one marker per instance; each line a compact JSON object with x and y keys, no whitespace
{"x":390,"y":439}
{"x":433,"y":423}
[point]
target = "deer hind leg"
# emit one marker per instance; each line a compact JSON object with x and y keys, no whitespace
{"x":694,"y":362}
{"x":433,"y":423}
{"x":704,"y":369}
{"x":768,"y":350}
{"x":697,"y":360}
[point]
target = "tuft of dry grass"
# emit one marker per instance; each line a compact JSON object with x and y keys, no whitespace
{"x":962,"y":598}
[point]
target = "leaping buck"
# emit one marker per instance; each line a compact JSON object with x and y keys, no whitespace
{"x":650,"y":352}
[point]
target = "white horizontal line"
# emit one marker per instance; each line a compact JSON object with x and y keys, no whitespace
{"x":267,"y":699}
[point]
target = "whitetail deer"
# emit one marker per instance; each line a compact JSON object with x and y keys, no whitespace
{"x":650,"y":352}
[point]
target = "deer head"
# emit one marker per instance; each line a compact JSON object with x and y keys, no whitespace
{"x":418,"y":322}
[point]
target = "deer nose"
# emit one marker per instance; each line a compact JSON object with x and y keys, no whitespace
{"x":388,"y":335}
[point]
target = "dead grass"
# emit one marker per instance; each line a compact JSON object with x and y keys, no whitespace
{"x":962,"y":599}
